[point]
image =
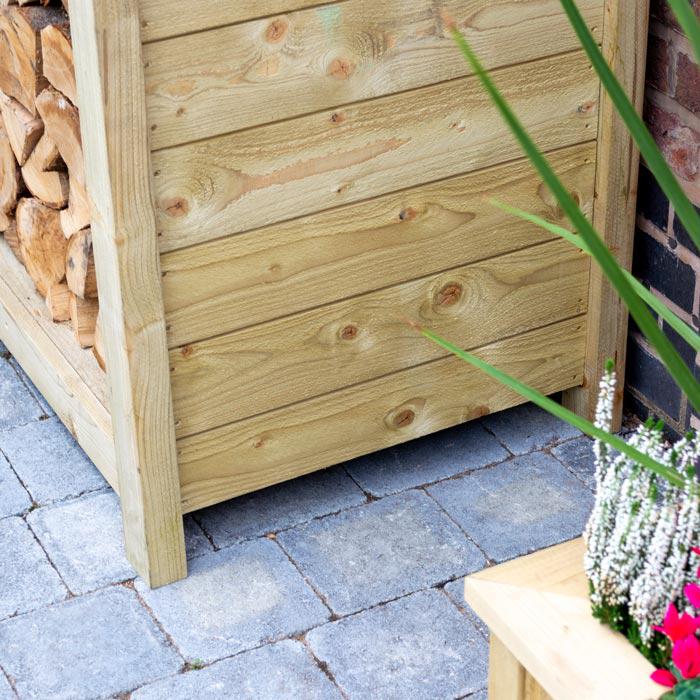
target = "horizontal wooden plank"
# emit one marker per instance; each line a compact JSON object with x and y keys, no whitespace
{"x":213,"y":188}
{"x":165,"y":18}
{"x":223,"y":285}
{"x":349,"y":342}
{"x":67,"y":376}
{"x":235,"y":77}
{"x":286,"y":443}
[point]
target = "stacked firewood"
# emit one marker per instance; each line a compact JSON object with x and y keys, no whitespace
{"x":44,"y":210}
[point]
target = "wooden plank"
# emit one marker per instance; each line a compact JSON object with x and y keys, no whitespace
{"x":624,"y":44}
{"x":67,"y":376}
{"x":210,"y":83}
{"x":229,"y":184}
{"x":539,"y":609}
{"x":108,"y":64}
{"x":349,"y":342}
{"x":223,"y":285}
{"x":166,"y":18}
{"x":288,"y":442}
{"x":506,"y":675}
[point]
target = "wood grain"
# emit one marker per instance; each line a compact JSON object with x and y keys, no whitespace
{"x":108,"y":63}
{"x":165,"y":18}
{"x":210,"y":83}
{"x":223,"y":285}
{"x":220,"y":186}
{"x":625,"y":45}
{"x":288,"y":442}
{"x":538,"y":608}
{"x":353,"y":341}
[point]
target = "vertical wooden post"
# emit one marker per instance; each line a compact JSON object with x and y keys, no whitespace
{"x":624,"y":44}
{"x":506,"y":675}
{"x":109,"y":72}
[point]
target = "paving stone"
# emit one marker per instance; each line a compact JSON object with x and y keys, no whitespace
{"x":578,"y":456}
{"x":17,"y":407}
{"x":196,"y":542}
{"x":516,"y":507}
{"x":83,"y":539}
{"x":27,"y":579}
{"x":482,"y":694}
{"x":14,"y":498}
{"x":280,"y":506}
{"x":89,"y":647}
{"x":6,"y":692}
{"x":416,"y":647}
{"x":49,"y":461}
{"x":427,"y":459}
{"x":233,"y":600}
{"x":527,"y":427}
{"x":38,"y":396}
{"x":273,"y":672}
{"x":380,"y":551}
{"x":455,"y":591}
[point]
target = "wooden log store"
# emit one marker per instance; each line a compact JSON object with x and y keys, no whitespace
{"x":216,"y":225}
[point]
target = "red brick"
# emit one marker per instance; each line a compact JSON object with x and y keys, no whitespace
{"x":688,"y":83}
{"x":658,"y":58}
{"x":661,"y":10}
{"x":680,"y":144}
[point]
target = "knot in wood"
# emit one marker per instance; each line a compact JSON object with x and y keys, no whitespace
{"x":450,"y":294}
{"x":349,"y":332}
{"x":341,"y":68}
{"x":404,"y":418}
{"x":408,"y":214}
{"x":276,"y":31}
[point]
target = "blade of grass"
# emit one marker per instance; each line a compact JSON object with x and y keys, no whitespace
{"x":677,"y":323}
{"x":559,"y":411}
{"x":644,"y":140}
{"x":639,"y":311}
{"x":689,"y":23}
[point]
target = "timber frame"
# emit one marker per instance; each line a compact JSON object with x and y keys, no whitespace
{"x":137,"y":449}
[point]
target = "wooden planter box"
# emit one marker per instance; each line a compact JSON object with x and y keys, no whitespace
{"x":273,"y":197}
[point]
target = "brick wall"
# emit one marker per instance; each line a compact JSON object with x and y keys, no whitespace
{"x":665,"y":258}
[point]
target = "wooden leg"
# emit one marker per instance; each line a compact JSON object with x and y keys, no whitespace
{"x":508,"y":679}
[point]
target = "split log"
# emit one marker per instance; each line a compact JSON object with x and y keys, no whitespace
{"x":23,"y":129}
{"x":42,"y":177}
{"x":10,"y":181}
{"x":80,"y":266}
{"x":98,"y":348}
{"x":42,"y":243}
{"x":21,"y":69}
{"x":57,"y":55}
{"x":12,"y":239}
{"x":77,"y":216}
{"x":58,"y":302}
{"x":5,"y":221}
{"x":83,"y":316}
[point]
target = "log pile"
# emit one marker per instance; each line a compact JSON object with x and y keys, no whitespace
{"x":44,"y":208}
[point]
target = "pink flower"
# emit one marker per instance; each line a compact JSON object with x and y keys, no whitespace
{"x":664,"y":677}
{"x":692,"y":593}
{"x":686,"y":656}
{"x":677,"y":627}
{"x":695,"y":550}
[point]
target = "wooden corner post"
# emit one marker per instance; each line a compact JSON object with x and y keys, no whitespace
{"x":624,"y":44}
{"x":111,"y":94}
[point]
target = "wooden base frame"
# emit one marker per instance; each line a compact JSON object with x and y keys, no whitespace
{"x":129,"y":428}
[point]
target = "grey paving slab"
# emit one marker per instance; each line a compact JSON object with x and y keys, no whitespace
{"x":93,"y":646}
{"x":482,"y":694}
{"x":380,"y":551}
{"x":234,"y":600}
{"x":196,"y":542}
{"x":417,"y":647}
{"x":17,"y":406}
{"x":578,"y":456}
{"x":27,"y":579}
{"x":83,"y":539}
{"x":455,"y":592}
{"x":282,"y":671}
{"x":527,"y":427}
{"x":516,"y":507}
{"x":49,"y":461}
{"x":6,"y":692}
{"x":46,"y":409}
{"x":14,"y":498}
{"x":280,"y":506}
{"x":429,"y":459}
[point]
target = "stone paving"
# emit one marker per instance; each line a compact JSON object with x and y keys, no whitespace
{"x":343,"y":584}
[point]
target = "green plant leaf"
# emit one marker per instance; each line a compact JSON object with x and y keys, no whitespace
{"x":612,"y":270}
{"x":638,"y":130}
{"x":687,"y":690}
{"x":557,"y":410}
{"x":677,"y":323}
{"x":689,"y":23}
